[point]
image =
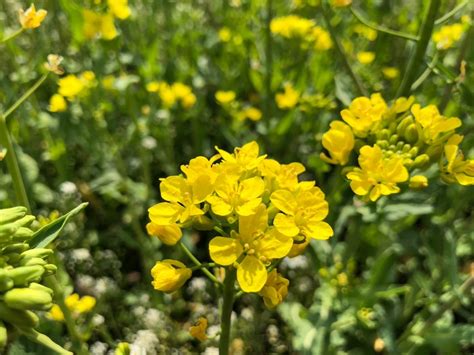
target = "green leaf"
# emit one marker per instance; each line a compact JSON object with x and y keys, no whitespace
{"x":50,"y":232}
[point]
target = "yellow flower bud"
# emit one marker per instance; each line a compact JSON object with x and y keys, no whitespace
{"x":418,"y":182}
{"x":169,"y":275}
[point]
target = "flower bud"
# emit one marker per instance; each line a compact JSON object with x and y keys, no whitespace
{"x":169,"y":275}
{"x":418,"y":182}
{"x":421,"y":161}
{"x":402,"y":126}
{"x":23,"y":275}
{"x":19,"y":318}
{"x":27,"y":298}
{"x":411,"y":134}
{"x":393,"y":139}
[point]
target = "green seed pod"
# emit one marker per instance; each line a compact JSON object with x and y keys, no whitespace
{"x":19,"y":318}
{"x":23,"y":275}
{"x":411,"y":134}
{"x":9,"y":215}
{"x":3,"y":335}
{"x":421,"y":161}
{"x":27,"y":298}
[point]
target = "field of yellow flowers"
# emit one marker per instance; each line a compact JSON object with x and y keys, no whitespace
{"x":236,"y":177}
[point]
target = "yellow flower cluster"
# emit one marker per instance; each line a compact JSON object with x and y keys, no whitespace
{"x":171,"y":94}
{"x":71,"y":87}
{"x":306,"y":102}
{"x":305,"y":30}
{"x":448,"y":35}
{"x":101,"y":25}
{"x":30,"y":18}
{"x":76,"y":304}
{"x":394,"y":144}
{"x":259,"y":209}
{"x":239,"y":111}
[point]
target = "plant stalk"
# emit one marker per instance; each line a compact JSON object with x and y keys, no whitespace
{"x":44,"y":340}
{"x":198,"y":263}
{"x":417,"y":58}
{"x":228,"y":301}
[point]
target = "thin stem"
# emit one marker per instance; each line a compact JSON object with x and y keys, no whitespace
{"x":342,"y":54}
{"x":451,"y":13}
{"x":417,"y":58}
{"x":226,"y":313}
{"x":383,"y":29}
{"x":12,"y":165}
{"x":68,"y":318}
{"x":268,"y":61}
{"x":426,"y":73}
{"x":198,"y":263}
{"x":11,"y":36}
{"x":44,"y":340}
{"x":25,"y":96}
{"x":203,"y":266}
{"x":220,"y":231}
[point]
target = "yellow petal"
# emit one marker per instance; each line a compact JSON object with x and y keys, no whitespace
{"x":168,"y":234}
{"x":249,"y":225}
{"x":251,"y":274}
{"x":251,"y":188}
{"x":219,"y":206}
{"x":225,"y":250}
{"x":286,"y":225}
{"x":320,"y":230}
{"x":249,"y":207}
{"x":274,"y":245}
{"x":165,"y":212}
{"x":284,"y":201}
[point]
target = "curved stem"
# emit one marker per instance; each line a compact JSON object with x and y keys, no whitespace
{"x":342,"y":54}
{"x":451,"y":13}
{"x":25,"y":95}
{"x":198,"y":263}
{"x":226,"y":313}
{"x":417,"y":57}
{"x":12,"y":165}
{"x":11,"y":36}
{"x":44,"y":340}
{"x":383,"y":29}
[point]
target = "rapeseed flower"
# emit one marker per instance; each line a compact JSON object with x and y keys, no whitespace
{"x":198,"y":330}
{"x":365,"y":57}
{"x":457,"y":169}
{"x":364,"y":114}
{"x":288,"y":99}
{"x":390,"y":72}
{"x":30,"y":18}
{"x":119,"y":8}
{"x":448,"y":35}
{"x":339,"y":142}
{"x":275,"y":289}
{"x":169,"y":275}
{"x":57,"y":103}
{"x":99,"y":25}
{"x":225,"y":97}
{"x":432,"y":122}
{"x":76,"y":304}
{"x":291,"y":26}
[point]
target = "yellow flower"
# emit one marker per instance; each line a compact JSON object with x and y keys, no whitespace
{"x":77,"y":305}
{"x":57,"y":103}
{"x":225,"y":97}
{"x":256,"y":243}
{"x":377,"y":176}
{"x":99,"y":25}
{"x":167,"y":95}
{"x":198,"y":330}
{"x":288,"y":99}
{"x":303,"y":212}
{"x":31,"y":18}
{"x":280,"y":176}
{"x":243,"y":159}
{"x":291,"y":26}
{"x":181,"y":90}
{"x":448,"y":35}
{"x":457,"y":170}
{"x":108,"y":82}
{"x":189,"y":100}
{"x":53,"y":63}
{"x":432,"y":122}
{"x":122,"y":348}
{"x":341,"y":3}
{"x":70,"y":86}
{"x":390,"y":72}
{"x":200,"y":166}
{"x":365,"y":31}
{"x":364,"y":114}
{"x":275,"y":289}
{"x":233,"y":196}
{"x":339,"y":142}
{"x":321,"y":38}
{"x":252,"y":113}
{"x":154,"y":86}
{"x":119,"y":8}
{"x":169,"y":234}
{"x":169,"y":275}
{"x":365,"y":57}
{"x":224,"y":34}
{"x":418,"y":182}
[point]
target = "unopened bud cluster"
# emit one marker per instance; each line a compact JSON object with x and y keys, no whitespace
{"x":22,"y":270}
{"x":394,"y":144}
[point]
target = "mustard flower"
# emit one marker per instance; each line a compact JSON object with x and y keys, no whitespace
{"x":275,"y":289}
{"x":291,"y":26}
{"x":53,"y":63}
{"x":339,"y":142}
{"x":418,"y":182}
{"x":99,"y":25}
{"x":225,"y":97}
{"x":457,"y":168}
{"x":288,"y":99}
{"x":243,"y":159}
{"x":321,"y":38}
{"x":252,"y":249}
{"x":367,"y":32}
{"x":251,"y":113}
{"x":432,"y":122}
{"x":169,"y":275}
{"x":57,"y":103}
{"x":224,"y":34}
{"x":280,"y":176}
{"x":119,"y":8}
{"x":365,"y":57}
{"x":198,"y":330}
{"x":31,"y":18}
{"x":364,"y":114}
{"x":377,"y":175}
{"x":70,"y":86}
{"x":76,"y":304}
{"x":390,"y":72}
{"x":448,"y":35}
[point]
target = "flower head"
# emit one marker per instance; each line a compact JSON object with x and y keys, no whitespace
{"x":275,"y":289}
{"x":364,"y":113}
{"x":119,"y":8}
{"x":457,"y":169}
{"x":198,"y":330}
{"x":53,"y":63}
{"x":225,"y":97}
{"x":288,"y":99}
{"x":169,"y":275}
{"x":57,"y":103}
{"x":339,"y":142}
{"x":76,"y":304}
{"x":31,"y":18}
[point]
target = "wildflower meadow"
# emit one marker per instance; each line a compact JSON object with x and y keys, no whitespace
{"x":236,"y":177}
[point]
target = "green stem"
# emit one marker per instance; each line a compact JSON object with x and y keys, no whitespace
{"x":25,"y":96}
{"x":383,"y":29}
{"x":68,"y":318}
{"x":426,"y":73}
{"x":417,"y":58}
{"x":44,"y":340}
{"x":451,"y":13}
{"x":227,"y":304}
{"x":198,"y":263}
{"x":202,"y":266}
{"x":11,"y":36}
{"x":268,"y":61}
{"x":12,"y":165}
{"x":342,"y":54}
{"x":220,"y":231}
